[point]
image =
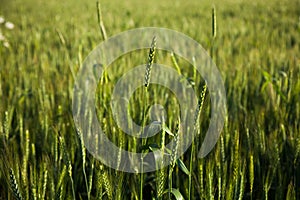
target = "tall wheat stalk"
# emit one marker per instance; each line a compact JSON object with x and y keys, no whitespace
{"x":100,"y":21}
{"x":68,"y":163}
{"x":147,"y":76}
{"x":83,"y":154}
{"x":196,"y":132}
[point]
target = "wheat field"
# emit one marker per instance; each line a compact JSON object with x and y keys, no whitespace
{"x":254,"y":44}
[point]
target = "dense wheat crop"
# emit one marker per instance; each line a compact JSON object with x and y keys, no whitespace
{"x":256,"y":46}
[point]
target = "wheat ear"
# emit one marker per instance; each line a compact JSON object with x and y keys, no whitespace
{"x":14,"y":185}
{"x":150,"y":61}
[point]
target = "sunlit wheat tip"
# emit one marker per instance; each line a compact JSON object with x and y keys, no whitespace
{"x":214,"y":22}
{"x":150,"y":61}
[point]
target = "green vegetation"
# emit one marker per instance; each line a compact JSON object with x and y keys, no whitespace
{"x":256,"y":47}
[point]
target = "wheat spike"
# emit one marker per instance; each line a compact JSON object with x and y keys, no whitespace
{"x":150,"y":61}
{"x":99,"y":183}
{"x":83,"y":153}
{"x":297,"y":153}
{"x":68,"y":163}
{"x":201,"y":177}
{"x":242,"y":181}
{"x":13,"y":184}
{"x":175,"y":148}
{"x":291,"y":193}
{"x":106,"y":182}
{"x":161,"y":182}
{"x":214,"y":23}
{"x":24,"y":171}
{"x":199,"y":109}
{"x":6,"y":125}
{"x":174,"y":61}
{"x":251,"y":173}
{"x":45,"y":180}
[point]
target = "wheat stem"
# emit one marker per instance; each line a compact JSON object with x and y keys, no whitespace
{"x":100,"y":21}
{"x":214,"y":22}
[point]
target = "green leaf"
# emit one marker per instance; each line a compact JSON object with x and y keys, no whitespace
{"x":266,"y":75}
{"x":182,"y":166}
{"x":153,"y":147}
{"x":154,"y":128}
{"x":279,"y":92}
{"x":263,"y":87}
{"x":175,"y":192}
{"x":167,"y":130}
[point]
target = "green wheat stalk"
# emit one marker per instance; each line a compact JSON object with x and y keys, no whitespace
{"x":25,"y":163}
{"x":251,"y":173}
{"x":197,"y":131}
{"x":214,"y":22}
{"x":44,"y":183}
{"x":32,"y":181}
{"x":100,"y":21}
{"x":90,"y":183}
{"x":173,"y":156}
{"x":83,"y":154}
{"x":242,"y":181}
{"x":104,"y":36}
{"x":147,"y":80}
{"x":174,"y":61}
{"x":68,"y":163}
